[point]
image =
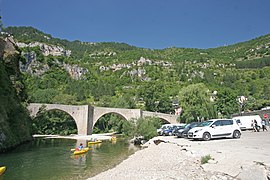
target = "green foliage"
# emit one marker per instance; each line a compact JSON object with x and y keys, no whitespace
{"x":195,"y":100}
{"x":53,"y":122}
{"x":15,"y":125}
{"x":44,"y":95}
{"x":111,"y":123}
{"x":1,"y":24}
{"x":227,"y":102}
{"x":147,"y":127}
{"x":156,"y":97}
{"x":255,"y":63}
{"x":205,"y":159}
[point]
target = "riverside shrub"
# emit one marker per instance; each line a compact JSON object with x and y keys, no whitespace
{"x":147,"y":127}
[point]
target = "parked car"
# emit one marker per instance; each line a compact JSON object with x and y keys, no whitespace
{"x":167,"y":132}
{"x":167,"y":126}
{"x":184,"y":132}
{"x":177,"y":128}
{"x":215,"y":128}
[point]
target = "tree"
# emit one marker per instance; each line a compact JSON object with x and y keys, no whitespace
{"x":53,"y":122}
{"x":155,"y":96}
{"x":1,"y":24}
{"x":147,"y":127}
{"x":195,"y":102}
{"x":227,"y":102}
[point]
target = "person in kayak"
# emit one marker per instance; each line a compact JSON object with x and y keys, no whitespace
{"x":80,"y":147}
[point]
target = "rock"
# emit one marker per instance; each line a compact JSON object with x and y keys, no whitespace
{"x":47,"y":49}
{"x":250,"y":172}
{"x":158,"y":141}
{"x":212,"y":161}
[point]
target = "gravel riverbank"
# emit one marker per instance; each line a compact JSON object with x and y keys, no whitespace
{"x":244,"y":158}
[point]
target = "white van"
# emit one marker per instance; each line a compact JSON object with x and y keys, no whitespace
{"x":245,"y":122}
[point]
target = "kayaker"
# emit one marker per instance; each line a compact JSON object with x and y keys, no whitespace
{"x":81,"y":146}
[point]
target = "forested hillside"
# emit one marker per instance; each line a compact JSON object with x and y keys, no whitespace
{"x":15,"y":125}
{"x":205,"y":83}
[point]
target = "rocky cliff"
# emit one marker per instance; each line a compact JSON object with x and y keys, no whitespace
{"x":14,"y":118}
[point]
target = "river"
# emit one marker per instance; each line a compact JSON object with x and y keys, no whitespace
{"x":52,"y":159}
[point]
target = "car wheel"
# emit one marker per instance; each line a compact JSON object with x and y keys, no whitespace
{"x":236,"y":134}
{"x":206,"y":136}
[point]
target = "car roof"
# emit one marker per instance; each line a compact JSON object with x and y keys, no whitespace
{"x":218,"y":119}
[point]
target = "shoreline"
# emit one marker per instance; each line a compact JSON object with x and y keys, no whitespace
{"x":105,"y":136}
{"x":178,"y":158}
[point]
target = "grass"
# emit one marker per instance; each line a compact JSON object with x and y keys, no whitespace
{"x":205,"y":159}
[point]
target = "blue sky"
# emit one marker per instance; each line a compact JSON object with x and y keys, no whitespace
{"x":152,"y":24}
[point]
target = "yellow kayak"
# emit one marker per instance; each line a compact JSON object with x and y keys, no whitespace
{"x":94,"y":142}
{"x":84,"y":150}
{"x":113,"y":139}
{"x":72,"y":150}
{"x":2,"y":170}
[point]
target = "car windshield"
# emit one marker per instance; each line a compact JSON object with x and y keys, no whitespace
{"x":205,"y":123}
{"x":195,"y":124}
{"x":192,"y":125}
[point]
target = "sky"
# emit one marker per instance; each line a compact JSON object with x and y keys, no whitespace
{"x":154,"y":24}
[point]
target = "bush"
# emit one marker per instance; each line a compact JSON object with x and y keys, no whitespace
{"x":147,"y":127}
{"x":205,"y":159}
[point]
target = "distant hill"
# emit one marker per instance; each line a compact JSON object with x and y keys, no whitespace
{"x":252,"y":49}
{"x":119,"y":75}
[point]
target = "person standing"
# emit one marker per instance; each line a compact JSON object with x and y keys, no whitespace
{"x":255,"y":125}
{"x":264,"y":125}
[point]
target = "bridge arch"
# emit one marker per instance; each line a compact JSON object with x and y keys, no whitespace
{"x":106,"y":113}
{"x":57,"y":125}
{"x":78,"y":113}
{"x":164,"y":121}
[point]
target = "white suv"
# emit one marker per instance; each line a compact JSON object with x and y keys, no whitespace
{"x":215,"y":128}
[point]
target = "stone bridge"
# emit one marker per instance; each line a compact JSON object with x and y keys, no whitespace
{"x":86,"y":116}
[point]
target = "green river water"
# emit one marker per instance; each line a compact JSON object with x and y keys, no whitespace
{"x":52,"y":159}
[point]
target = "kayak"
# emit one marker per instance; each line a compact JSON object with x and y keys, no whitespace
{"x":94,"y":142}
{"x":84,"y":150}
{"x":72,"y":150}
{"x":2,"y":170}
{"x":113,"y":139}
